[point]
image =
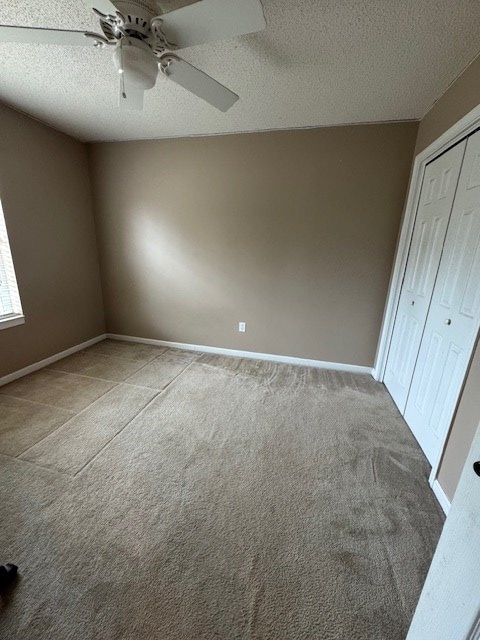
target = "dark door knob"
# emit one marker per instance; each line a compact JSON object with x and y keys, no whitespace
{"x":476,"y":467}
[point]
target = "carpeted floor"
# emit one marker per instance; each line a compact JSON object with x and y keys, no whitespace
{"x":157,"y":494}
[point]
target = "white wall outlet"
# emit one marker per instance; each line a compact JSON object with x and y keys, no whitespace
{"x":242,"y":327}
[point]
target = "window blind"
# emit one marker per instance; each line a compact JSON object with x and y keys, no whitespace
{"x":9,"y":297}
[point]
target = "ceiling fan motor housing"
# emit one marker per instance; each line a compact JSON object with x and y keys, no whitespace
{"x":136,"y":16}
{"x":136,"y":61}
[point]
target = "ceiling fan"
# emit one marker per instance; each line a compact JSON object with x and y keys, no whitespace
{"x":144,"y":39}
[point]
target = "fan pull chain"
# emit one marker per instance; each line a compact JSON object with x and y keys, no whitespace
{"x":124,"y":95}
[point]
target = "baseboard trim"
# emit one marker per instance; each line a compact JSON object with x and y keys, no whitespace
{"x":51,"y":359}
{"x":441,"y":497}
{"x":319,"y":364}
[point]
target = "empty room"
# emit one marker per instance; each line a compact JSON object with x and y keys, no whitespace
{"x":239,"y":320}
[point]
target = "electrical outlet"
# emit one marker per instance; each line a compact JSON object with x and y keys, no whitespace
{"x":242,"y":327}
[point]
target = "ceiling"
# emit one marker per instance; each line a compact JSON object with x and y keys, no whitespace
{"x":319,"y":62}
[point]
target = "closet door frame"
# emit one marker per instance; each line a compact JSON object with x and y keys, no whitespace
{"x":464,"y":127}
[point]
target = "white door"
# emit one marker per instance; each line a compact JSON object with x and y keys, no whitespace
{"x":449,"y":606}
{"x":436,"y":200}
{"x":454,"y":317}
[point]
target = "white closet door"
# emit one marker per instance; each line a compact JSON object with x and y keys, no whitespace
{"x":436,"y":200}
{"x":454,"y":318}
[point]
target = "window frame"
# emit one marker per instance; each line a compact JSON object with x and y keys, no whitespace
{"x":15,"y":318}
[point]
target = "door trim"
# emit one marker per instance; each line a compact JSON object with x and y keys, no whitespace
{"x":441,"y":497}
{"x":464,"y":127}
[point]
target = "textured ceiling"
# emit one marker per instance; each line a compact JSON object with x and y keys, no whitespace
{"x":320,"y":62}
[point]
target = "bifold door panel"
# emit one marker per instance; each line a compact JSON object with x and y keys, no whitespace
{"x":435,"y":206}
{"x":454,"y":317}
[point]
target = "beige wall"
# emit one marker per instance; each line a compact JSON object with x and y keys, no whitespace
{"x":292,"y":232}
{"x":461,"y":98}
{"x":45,"y":192}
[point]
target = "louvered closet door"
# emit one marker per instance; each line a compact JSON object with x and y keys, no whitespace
{"x":436,"y":200}
{"x":454,"y":317}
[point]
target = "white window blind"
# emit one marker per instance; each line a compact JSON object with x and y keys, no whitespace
{"x":10,"y":304}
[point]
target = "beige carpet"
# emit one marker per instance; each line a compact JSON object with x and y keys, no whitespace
{"x":155,"y":494}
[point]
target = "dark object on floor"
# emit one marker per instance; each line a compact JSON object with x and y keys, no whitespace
{"x":8,"y":573}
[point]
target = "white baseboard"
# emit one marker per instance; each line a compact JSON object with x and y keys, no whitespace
{"x":320,"y":364}
{"x":441,"y":497}
{"x":44,"y":363}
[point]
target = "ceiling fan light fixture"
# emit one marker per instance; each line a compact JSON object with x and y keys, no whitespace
{"x":136,"y":61}
{"x":142,"y":42}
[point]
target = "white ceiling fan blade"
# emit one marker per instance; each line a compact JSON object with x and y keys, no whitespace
{"x":130,"y":98}
{"x":164,"y":6}
{"x":197,"y":82}
{"x":104,"y":6}
{"x":44,"y":36}
{"x":212,"y":20}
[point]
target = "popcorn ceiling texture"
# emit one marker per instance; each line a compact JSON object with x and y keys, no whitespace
{"x":320,"y":62}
